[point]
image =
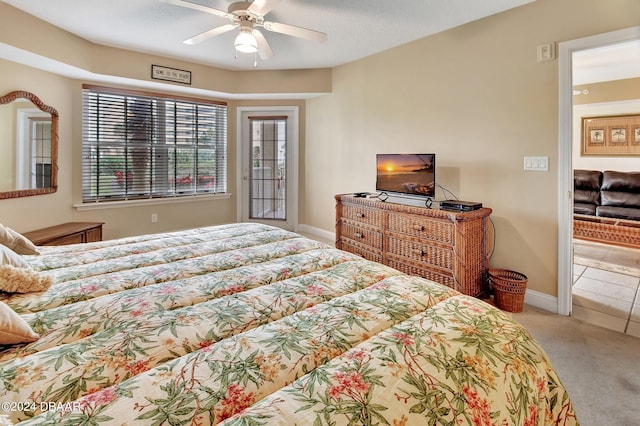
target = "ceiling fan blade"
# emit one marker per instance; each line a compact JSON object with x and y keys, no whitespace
{"x":262,"y":7}
{"x":292,"y":30}
{"x":196,"y":6}
{"x":264,"y":50}
{"x":210,"y":33}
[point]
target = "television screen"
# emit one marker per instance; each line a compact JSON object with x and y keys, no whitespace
{"x":411,"y":174}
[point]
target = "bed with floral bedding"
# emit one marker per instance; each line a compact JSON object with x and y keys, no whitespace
{"x":247,"y":324}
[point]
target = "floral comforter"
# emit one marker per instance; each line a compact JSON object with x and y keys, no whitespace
{"x":247,"y":324}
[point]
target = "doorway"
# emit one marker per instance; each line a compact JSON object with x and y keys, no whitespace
{"x":565,"y":161}
{"x":267,"y":159}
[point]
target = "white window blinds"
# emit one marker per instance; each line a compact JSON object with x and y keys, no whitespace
{"x":137,"y":145}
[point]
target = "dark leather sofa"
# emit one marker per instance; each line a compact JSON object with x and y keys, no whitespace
{"x":607,"y":194}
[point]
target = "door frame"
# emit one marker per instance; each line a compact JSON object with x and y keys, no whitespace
{"x":565,"y":141}
{"x":292,"y":155}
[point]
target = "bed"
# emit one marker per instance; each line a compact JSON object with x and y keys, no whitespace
{"x":247,"y":324}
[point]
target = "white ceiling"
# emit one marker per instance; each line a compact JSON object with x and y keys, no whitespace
{"x":355,"y":28}
{"x":607,"y":63}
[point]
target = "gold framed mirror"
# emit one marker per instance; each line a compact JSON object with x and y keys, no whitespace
{"x":28,"y":146}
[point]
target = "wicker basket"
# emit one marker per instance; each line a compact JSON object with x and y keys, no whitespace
{"x":508,"y":289}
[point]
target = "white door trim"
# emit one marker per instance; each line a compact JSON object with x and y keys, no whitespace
{"x":292,"y":147}
{"x":565,"y":167}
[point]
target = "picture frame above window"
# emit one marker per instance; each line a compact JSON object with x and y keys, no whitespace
{"x":617,"y":135}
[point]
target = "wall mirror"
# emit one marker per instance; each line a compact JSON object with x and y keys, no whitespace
{"x":28,"y":146}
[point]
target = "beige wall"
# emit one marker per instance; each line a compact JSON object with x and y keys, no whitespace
{"x":65,"y":94}
{"x":608,"y":91}
{"x":619,"y":97}
{"x":621,"y":163}
{"x":55,"y":44}
{"x":475,"y":96}
{"x":24,"y":214}
{"x":7,"y":147}
{"x":28,"y":213}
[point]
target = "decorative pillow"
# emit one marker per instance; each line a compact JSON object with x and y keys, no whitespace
{"x":10,"y":257}
{"x":16,"y":242}
{"x":22,"y":280}
{"x":13,"y":328}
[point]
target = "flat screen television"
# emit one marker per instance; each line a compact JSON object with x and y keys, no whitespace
{"x":406,"y":174}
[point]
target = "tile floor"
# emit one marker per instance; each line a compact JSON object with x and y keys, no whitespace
{"x":607,"y":299}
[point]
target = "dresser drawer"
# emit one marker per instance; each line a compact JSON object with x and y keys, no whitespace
{"x":68,"y":239}
{"x":361,"y":250}
{"x":430,"y":274}
{"x":362,"y":235}
{"x":421,"y":251}
{"x":374,"y":218}
{"x":93,"y":235}
{"x":439,"y":230}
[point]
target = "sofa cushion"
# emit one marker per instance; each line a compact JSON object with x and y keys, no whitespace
{"x":620,"y":199}
{"x":621,"y":181}
{"x":618,"y":212}
{"x":584,"y":208}
{"x":586,"y":188}
{"x":584,"y":196}
{"x":589,"y":180}
{"x":620,"y":189}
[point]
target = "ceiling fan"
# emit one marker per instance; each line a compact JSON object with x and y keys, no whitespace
{"x":248,"y":16}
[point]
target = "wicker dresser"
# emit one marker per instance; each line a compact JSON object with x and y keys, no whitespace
{"x":443,"y":246}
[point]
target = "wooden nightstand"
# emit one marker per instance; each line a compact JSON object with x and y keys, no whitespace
{"x":66,"y":233}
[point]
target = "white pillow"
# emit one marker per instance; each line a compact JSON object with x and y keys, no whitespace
{"x":10,"y":257}
{"x":16,"y":242}
{"x":13,"y":328}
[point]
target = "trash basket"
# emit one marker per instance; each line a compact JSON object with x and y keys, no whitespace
{"x":509,"y":288}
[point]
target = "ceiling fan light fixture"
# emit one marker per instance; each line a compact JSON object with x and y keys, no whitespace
{"x":246,"y":42}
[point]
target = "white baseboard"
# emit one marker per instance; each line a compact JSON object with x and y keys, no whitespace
{"x":317,"y":232}
{"x":541,"y":300}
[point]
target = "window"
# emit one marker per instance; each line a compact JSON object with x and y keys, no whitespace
{"x":137,"y":146}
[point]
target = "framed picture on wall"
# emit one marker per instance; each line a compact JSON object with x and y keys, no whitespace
{"x":596,"y":137}
{"x":611,"y":135}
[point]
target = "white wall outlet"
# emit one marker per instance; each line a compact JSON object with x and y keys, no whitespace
{"x":154,"y":217}
{"x":537,"y":164}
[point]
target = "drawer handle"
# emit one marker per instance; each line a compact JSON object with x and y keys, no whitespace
{"x":419,"y":228}
{"x":359,"y":235}
{"x":360,"y":215}
{"x":420,"y":252}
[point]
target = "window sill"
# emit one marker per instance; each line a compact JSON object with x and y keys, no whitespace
{"x":102,"y":205}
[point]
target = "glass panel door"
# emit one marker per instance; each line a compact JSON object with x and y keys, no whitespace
{"x":268,"y":171}
{"x":268,"y":152}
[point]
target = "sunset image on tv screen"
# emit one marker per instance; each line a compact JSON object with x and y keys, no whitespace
{"x":406,"y":173}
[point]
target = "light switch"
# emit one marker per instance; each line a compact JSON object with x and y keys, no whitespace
{"x":546,"y":52}
{"x":537,"y":164}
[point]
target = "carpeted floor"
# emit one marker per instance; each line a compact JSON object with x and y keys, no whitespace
{"x":599,"y":367}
